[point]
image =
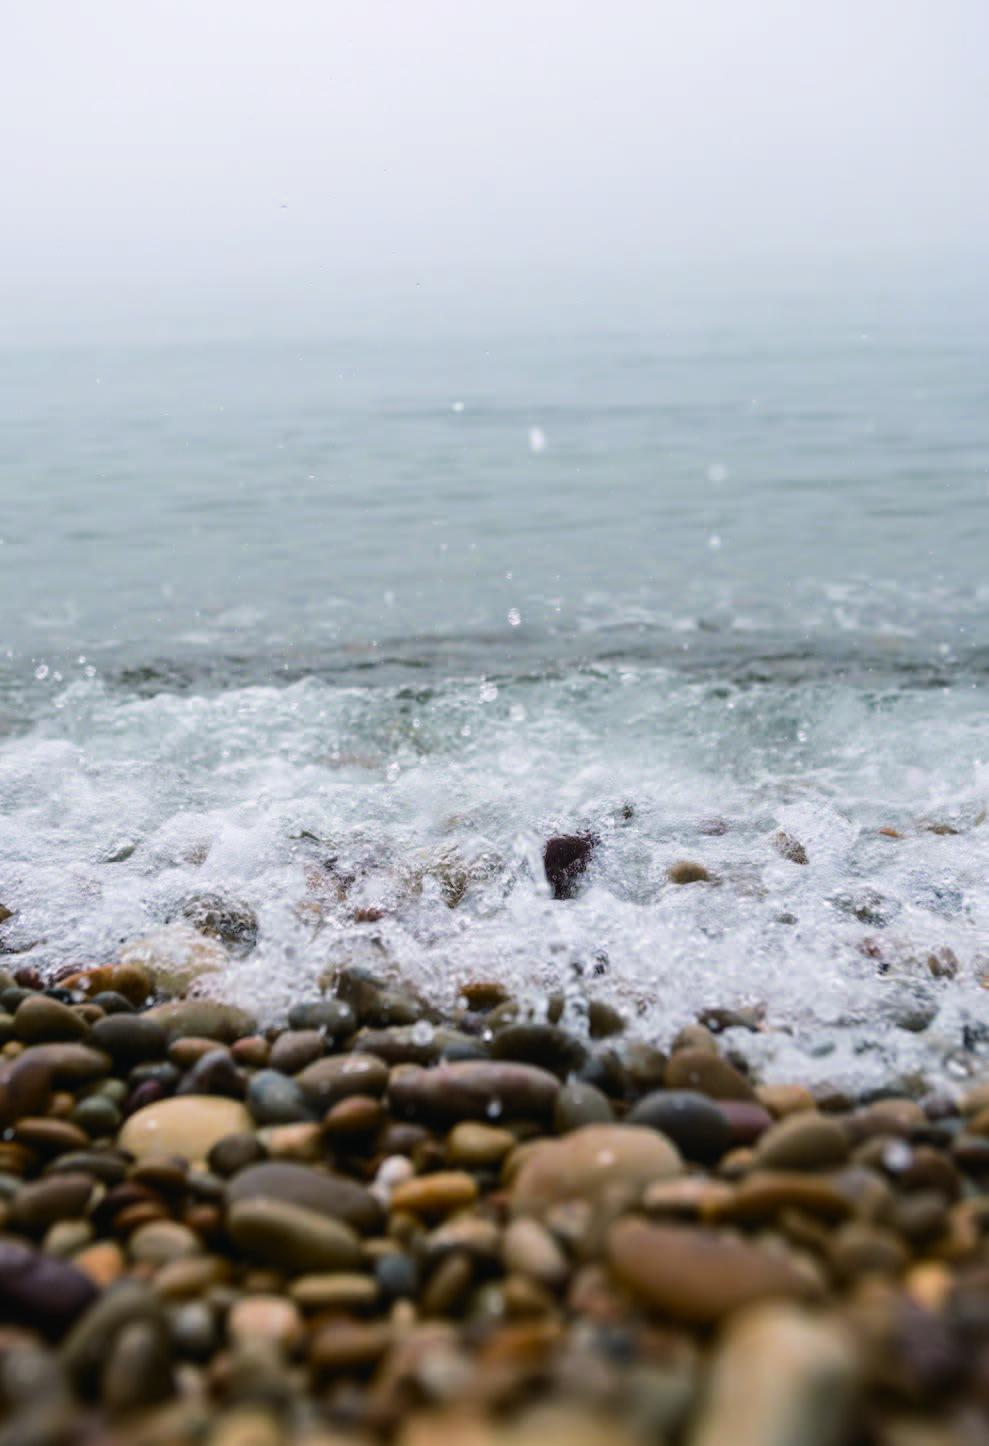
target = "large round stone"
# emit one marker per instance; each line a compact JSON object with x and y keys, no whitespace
{"x":188,"y":1127}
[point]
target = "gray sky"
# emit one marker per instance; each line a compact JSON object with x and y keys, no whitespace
{"x":172,"y":156}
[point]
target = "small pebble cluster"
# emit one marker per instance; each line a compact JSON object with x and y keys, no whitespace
{"x":380,"y":1223}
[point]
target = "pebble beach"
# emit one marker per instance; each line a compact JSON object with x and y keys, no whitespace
{"x":383,"y":1222}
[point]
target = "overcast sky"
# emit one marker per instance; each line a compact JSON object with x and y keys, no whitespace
{"x":259,"y":154}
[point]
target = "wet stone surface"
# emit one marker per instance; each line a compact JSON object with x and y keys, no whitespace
{"x":489,"y":1228}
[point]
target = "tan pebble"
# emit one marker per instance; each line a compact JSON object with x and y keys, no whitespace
{"x":68,"y":1237}
{"x":529,"y":1250}
{"x":435,"y":1195}
{"x":162,"y":1241}
{"x":268,"y":1318}
{"x":348,"y":1345}
{"x":781,"y":1377}
{"x":475,"y":1146}
{"x":302,"y":1142}
{"x":191,"y":1277}
{"x":697,"y":1276}
{"x":929,"y":1283}
{"x":343,"y":1290}
{"x":693,"y":1036}
{"x":783,"y":1100}
{"x":187,"y":1126}
{"x":247,"y":1426}
{"x":477,"y":1235}
{"x":604,"y":1164}
{"x":103,"y":1262}
{"x":484,"y":994}
{"x":575,"y":1424}
{"x":693,"y":1196}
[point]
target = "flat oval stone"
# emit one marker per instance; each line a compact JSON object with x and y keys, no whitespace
{"x":296,"y":1048}
{"x":188,"y":1127}
{"x":768,"y":1192}
{"x":475,"y":1145}
{"x":804,"y":1141}
{"x":290,"y":1237}
{"x":129,"y":1039}
{"x":693,"y":1122}
{"x":597,"y":1163}
{"x":546,"y":1045}
{"x":697,"y":1276}
{"x":204,"y":1018}
{"x":42,"y":1202}
{"x":339,"y":1075}
{"x":39,"y":1020}
{"x":331,"y":1195}
{"x":473,"y":1090}
{"x":338,"y":1290}
{"x":435,"y":1195}
{"x":709,"y":1074}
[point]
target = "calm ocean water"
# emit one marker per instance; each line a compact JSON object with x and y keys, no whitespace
{"x":412,"y":605}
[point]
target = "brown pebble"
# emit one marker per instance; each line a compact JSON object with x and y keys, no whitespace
{"x":686,"y":871}
{"x":348,"y":1345}
{"x":448,"y":1285}
{"x":764,"y":1195}
{"x":860,"y":1249}
{"x":336,"y":1291}
{"x":191,"y":1277}
{"x":302,"y":1143}
{"x":697,"y":1276}
{"x":40,"y":1203}
{"x":475,"y":1146}
{"x":804,"y":1141}
{"x":50,"y":1136}
{"x":432,"y":1196}
{"x":355,"y":1116}
{"x":785,"y":1099}
{"x":695,"y":1069}
{"x":41,"y":1020}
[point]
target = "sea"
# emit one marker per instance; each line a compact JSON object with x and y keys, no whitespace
{"x":342,"y":628}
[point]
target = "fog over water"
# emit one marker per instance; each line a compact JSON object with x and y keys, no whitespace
{"x":427,"y":428}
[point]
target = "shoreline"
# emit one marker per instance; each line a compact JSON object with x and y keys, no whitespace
{"x":384,"y":1222}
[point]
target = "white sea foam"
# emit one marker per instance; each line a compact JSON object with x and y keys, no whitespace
{"x":312,"y":801}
